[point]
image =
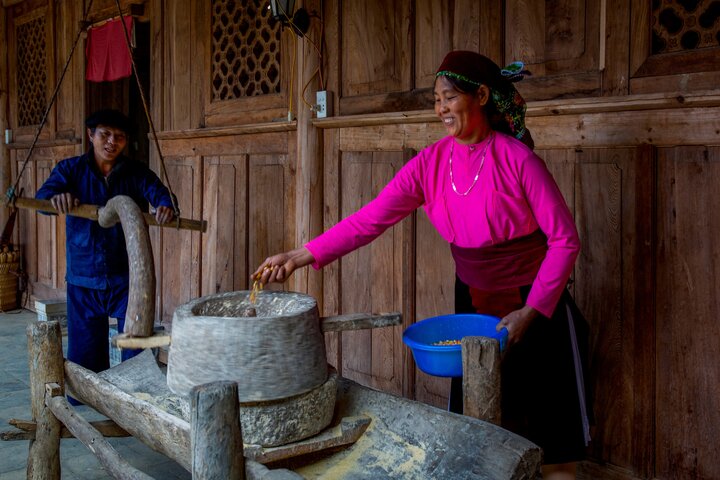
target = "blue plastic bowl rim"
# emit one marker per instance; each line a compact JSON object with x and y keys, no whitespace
{"x":503,"y":334}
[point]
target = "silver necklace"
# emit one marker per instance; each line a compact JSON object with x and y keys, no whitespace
{"x":477,"y":175}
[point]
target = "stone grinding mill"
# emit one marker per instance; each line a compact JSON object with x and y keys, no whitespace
{"x":277,"y":356}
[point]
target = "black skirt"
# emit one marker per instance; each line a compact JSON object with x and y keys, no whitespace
{"x":541,"y":387}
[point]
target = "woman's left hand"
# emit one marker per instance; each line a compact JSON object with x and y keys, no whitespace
{"x":517,"y":323}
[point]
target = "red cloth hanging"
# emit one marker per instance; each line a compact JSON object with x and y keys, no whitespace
{"x":107,"y":54}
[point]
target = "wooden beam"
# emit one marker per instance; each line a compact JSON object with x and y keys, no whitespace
{"x":359,"y":321}
{"x":111,"y":461}
{"x":25,"y":430}
{"x":347,"y":433}
{"x":574,"y":106}
{"x":124,"y":341}
{"x":91,"y":212}
{"x":46,"y":360}
{"x":268,"y":127}
{"x":154,"y":427}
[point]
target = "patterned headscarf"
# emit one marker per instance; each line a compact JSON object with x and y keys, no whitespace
{"x":475,"y":69}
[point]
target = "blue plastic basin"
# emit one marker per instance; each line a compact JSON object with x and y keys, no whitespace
{"x":446,"y":360}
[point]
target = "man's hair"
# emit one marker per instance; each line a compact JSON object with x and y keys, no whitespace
{"x":109,"y":118}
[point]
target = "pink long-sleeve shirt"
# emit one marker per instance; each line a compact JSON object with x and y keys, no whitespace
{"x":514,"y":196}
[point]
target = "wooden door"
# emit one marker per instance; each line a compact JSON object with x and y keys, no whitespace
{"x":688,"y":397}
{"x":371,"y":278}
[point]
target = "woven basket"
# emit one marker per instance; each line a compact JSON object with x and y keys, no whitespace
{"x":8,"y":285}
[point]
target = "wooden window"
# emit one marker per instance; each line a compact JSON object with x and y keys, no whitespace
{"x":675,"y":45}
{"x":31,"y":70}
{"x":245,"y":50}
{"x":689,"y":25}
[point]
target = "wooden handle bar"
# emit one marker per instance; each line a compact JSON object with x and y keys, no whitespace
{"x":91,"y":212}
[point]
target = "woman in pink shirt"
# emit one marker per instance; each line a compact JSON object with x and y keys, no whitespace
{"x":513,"y":240}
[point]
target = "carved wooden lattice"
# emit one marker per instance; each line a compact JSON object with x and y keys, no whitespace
{"x":680,"y":25}
{"x":245,"y":49}
{"x":31,"y":71}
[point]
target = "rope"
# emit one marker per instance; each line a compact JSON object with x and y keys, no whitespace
{"x":147,"y":113}
{"x":10,"y":194}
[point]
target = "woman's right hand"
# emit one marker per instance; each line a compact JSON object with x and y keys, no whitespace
{"x":278,"y":268}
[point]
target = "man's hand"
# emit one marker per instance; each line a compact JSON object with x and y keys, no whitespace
{"x":64,"y":202}
{"x":164,"y":215}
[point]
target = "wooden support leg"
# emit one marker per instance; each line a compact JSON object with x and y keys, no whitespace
{"x":108,"y":457}
{"x":215,"y":433}
{"x":481,"y":378}
{"x":46,"y":366}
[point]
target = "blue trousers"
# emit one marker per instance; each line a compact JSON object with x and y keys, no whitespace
{"x":88,"y":311}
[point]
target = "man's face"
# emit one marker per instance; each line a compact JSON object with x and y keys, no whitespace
{"x":108,"y":143}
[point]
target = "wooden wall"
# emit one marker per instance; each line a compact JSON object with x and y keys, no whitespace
{"x":631,"y":137}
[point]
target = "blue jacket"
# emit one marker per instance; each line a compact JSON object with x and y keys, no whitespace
{"x":96,"y":256}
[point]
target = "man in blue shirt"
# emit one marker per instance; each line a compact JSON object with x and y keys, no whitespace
{"x":97,"y":262}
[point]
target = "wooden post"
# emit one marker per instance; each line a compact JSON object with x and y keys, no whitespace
{"x":215,"y":433}
{"x":5,"y":175}
{"x":46,"y":366}
{"x":481,"y":378}
{"x":309,"y":179}
{"x":108,"y":457}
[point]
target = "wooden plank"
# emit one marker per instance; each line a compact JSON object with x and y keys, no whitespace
{"x":5,"y":168}
{"x":684,"y":83}
{"x":482,"y":20}
{"x":70,"y":96}
{"x":179,"y":257}
{"x":370,"y":278}
{"x":81,"y":429}
{"x":616,"y":59}
{"x":375,"y":45}
{"x":387,"y":102}
{"x":526,"y":19}
{"x":642,"y":282}
{"x":433,"y":39}
{"x":331,"y":215}
{"x":346,"y":433}
{"x":409,"y":271}
{"x":565,"y":29}
{"x":692,"y":126}
{"x":225,"y":204}
{"x":603,"y":183}
{"x":640,"y":34}
{"x":270,"y":183}
{"x":107,"y":428}
{"x":687,"y":311}
{"x":582,"y":84}
{"x":275,"y":142}
{"x":434,"y":295}
{"x":359,"y":321}
{"x":215,"y":433}
{"x":255,"y":128}
{"x":308,"y":148}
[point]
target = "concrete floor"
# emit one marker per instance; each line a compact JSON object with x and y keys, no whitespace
{"x":77,"y":463}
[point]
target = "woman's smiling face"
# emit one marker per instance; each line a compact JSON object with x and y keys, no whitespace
{"x":462,"y":113}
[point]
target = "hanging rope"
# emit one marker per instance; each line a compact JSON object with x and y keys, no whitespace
{"x":147,"y":112}
{"x":10,"y":194}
